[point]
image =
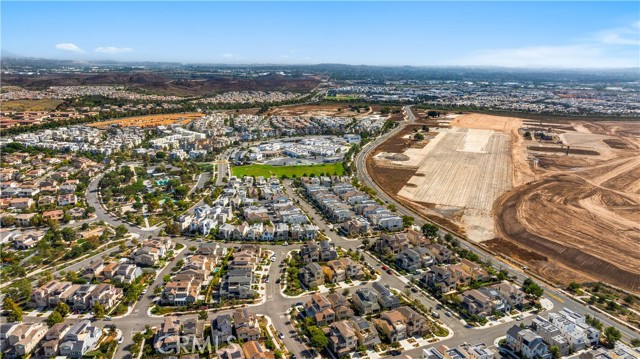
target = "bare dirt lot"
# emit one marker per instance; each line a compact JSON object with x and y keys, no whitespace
{"x":567,"y":217}
{"x":150,"y":120}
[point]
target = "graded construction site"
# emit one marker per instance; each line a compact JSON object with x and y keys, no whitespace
{"x":562,"y":198}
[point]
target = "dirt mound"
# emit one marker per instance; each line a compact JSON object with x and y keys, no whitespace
{"x":617,"y":144}
{"x":572,"y":151}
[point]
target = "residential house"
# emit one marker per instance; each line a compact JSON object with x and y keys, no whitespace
{"x":483,"y":302}
{"x":391,"y":244}
{"x":340,"y":305}
{"x":311,"y":275}
{"x":81,"y":298}
{"x":320,"y":308}
{"x":415,"y":322}
{"x":310,"y":252}
{"x":386,"y":299}
{"x":253,"y":350}
{"x":25,"y":336}
{"x":105,"y":294}
{"x":342,"y":338}
{"x":182,"y":290}
{"x":237,"y":283}
{"x":81,"y":338}
{"x":365,"y":301}
{"x":221,"y":329}
{"x":526,"y":343}
{"x":52,"y":338}
{"x":392,"y":326}
{"x":366,"y":332}
{"x":246,"y":325}
{"x":514,"y":295}
{"x":167,"y":338}
{"x":327,"y":251}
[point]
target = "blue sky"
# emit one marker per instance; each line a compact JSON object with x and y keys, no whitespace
{"x":516,"y":34}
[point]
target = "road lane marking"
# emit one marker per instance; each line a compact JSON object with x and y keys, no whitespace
{"x":556,"y":297}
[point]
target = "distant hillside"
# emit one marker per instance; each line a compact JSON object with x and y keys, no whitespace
{"x":157,"y":83}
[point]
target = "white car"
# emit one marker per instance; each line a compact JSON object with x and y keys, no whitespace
{"x":281,"y":335}
{"x":273,"y":259}
{"x":120,"y":340}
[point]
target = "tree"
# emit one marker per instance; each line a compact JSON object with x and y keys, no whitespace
{"x":203,"y":315}
{"x":635,"y":342}
{"x":407,"y":221}
{"x":62,"y":308}
{"x":45,"y":277}
{"x":366,"y":242}
{"x":8,"y":221}
{"x":138,"y":338}
{"x":54,"y":318}
{"x":629,"y":299}
{"x":555,"y":351}
{"x":98,"y":310}
{"x":574,"y":287}
{"x":20,"y":290}
{"x":121,"y":230}
{"x":68,"y":234}
{"x":318,"y":339}
{"x":193,"y":248}
{"x":430,"y":230}
{"x":613,"y":335}
{"x":15,"y":312}
{"x":532,"y":288}
{"x":418,"y":137}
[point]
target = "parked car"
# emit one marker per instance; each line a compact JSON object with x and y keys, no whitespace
{"x":281,"y":335}
{"x":435,"y":315}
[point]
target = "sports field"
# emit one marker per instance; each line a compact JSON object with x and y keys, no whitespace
{"x":289,"y":171}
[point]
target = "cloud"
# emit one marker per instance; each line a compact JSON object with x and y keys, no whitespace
{"x":628,"y":35}
{"x":603,"y":49}
{"x":228,"y":55}
{"x":67,"y":46}
{"x":569,"y":56}
{"x":113,"y":49}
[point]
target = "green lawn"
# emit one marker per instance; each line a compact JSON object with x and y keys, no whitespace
{"x":290,"y":171}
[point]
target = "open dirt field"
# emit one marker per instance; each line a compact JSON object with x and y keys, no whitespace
{"x":583,"y":211}
{"x":567,"y":217}
{"x":149,"y":121}
{"x":466,"y":168}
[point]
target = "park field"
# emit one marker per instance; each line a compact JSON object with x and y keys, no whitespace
{"x":289,"y":171}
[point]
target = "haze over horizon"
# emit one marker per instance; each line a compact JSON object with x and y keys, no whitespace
{"x":501,"y":34}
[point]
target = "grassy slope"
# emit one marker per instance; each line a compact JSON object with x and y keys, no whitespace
{"x":30,"y":105}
